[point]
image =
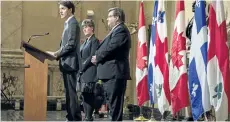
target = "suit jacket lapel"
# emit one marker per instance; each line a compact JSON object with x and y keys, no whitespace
{"x":66,"y":25}
{"x":82,"y":46}
{"x":87,"y":42}
{"x":105,"y":39}
{"x":63,"y":33}
{"x":92,"y":38}
{"x":71,"y":19}
{"x":109,"y":34}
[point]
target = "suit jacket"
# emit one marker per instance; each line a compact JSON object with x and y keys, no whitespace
{"x":69,"y":47}
{"x":87,"y":50}
{"x":112,"y":54}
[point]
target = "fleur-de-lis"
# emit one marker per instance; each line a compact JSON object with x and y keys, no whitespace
{"x":151,"y":87}
{"x":194,"y":88}
{"x":198,"y":3}
{"x":161,"y":16}
{"x":154,"y":20}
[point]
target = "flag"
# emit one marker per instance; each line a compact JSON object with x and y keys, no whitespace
{"x":161,"y":60}
{"x":141,"y":62}
{"x":152,"y":54}
{"x":198,"y":86}
{"x":178,"y":78}
{"x":218,"y":61}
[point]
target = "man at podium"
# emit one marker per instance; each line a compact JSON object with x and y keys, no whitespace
{"x":68,"y":56}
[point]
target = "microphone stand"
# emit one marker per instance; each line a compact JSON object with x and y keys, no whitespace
{"x":35,"y":36}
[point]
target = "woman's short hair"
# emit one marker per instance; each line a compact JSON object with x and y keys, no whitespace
{"x":88,"y":23}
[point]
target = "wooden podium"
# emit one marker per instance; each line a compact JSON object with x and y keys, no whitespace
{"x":35,"y":82}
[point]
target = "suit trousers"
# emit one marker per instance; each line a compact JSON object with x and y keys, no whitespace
{"x":88,"y":104}
{"x":114,"y":93}
{"x":72,"y":102}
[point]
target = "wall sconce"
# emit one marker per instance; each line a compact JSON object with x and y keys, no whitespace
{"x":133,"y":27}
{"x":90,"y":14}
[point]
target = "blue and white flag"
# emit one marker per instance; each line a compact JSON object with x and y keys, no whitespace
{"x":198,"y":86}
{"x":152,"y":53}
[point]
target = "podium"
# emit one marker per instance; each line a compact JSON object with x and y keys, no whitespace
{"x":35,"y":82}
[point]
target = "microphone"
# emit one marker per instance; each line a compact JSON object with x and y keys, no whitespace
{"x":35,"y":36}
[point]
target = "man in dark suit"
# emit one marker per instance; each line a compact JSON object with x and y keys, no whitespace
{"x":88,"y":70}
{"x":68,"y":56}
{"x":112,"y":59}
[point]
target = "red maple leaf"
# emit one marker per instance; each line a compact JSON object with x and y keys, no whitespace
{"x":178,"y":45}
{"x":141,"y":56}
{"x":218,"y":47}
{"x":161,"y":61}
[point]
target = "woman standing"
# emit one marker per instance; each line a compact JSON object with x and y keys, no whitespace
{"x":88,"y":70}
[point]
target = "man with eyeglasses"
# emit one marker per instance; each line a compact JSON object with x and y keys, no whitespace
{"x":112,"y":59}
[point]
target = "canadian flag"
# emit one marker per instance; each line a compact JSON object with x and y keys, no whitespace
{"x":141,"y":62}
{"x":218,"y":74}
{"x":178,"y":78}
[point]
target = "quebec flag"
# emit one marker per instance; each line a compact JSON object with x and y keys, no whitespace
{"x":198,"y":86}
{"x":152,"y":54}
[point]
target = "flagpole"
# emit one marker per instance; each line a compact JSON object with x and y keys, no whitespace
{"x":141,"y":117}
{"x":228,"y":116}
{"x":143,"y":93}
{"x":152,"y":114}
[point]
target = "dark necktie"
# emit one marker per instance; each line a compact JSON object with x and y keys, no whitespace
{"x":84,"y":44}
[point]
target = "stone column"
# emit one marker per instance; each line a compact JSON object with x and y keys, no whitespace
{"x":11,"y":23}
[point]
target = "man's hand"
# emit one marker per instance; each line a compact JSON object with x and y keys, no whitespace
{"x":94,"y":60}
{"x":57,"y":52}
{"x":51,"y":53}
